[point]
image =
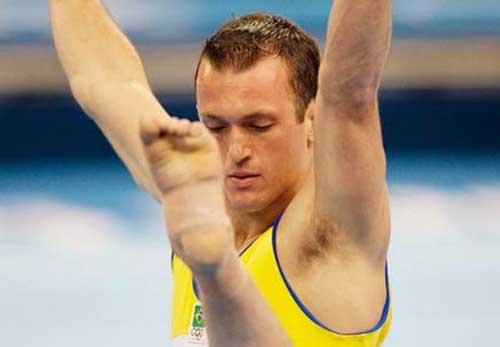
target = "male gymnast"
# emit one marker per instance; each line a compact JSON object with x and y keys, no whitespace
{"x":276,"y":204}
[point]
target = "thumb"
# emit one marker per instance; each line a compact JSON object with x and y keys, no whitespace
{"x":149,"y":128}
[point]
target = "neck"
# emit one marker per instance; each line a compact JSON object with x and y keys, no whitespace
{"x":249,"y":225}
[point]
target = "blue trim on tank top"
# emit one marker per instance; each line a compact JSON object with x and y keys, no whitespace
{"x":308,"y":313}
{"x":172,"y":254}
{"x":195,"y":286}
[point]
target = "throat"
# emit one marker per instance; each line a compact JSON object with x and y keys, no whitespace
{"x":244,"y":237}
{"x":249,"y":225}
{"x":244,"y":244}
{"x":247,"y":230}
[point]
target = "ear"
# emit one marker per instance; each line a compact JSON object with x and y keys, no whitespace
{"x":309,"y":121}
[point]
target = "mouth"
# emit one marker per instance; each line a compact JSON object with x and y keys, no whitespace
{"x":242,"y":180}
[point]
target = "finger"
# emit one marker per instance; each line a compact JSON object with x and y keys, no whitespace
{"x":149,"y":129}
{"x":164,"y":123}
{"x":196,"y":129}
{"x":174,"y":126}
{"x":183,"y":127}
{"x":167,"y":124}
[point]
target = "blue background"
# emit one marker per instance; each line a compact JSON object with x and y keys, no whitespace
{"x":84,"y":258}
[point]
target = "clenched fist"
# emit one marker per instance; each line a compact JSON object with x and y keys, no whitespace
{"x":185,"y":164}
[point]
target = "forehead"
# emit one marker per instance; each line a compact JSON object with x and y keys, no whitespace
{"x":264,"y":88}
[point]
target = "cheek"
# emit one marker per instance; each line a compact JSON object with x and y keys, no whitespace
{"x":278,"y":158}
{"x":222,"y":144}
{"x":290,"y":158}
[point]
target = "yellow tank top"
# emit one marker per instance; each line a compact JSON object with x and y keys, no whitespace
{"x":302,"y":327}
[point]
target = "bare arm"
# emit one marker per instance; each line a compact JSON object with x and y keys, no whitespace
{"x":186,"y":165}
{"x":107,"y":79}
{"x":349,"y":157}
{"x":237,"y":310}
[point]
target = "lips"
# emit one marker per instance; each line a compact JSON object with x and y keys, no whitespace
{"x":242,"y":180}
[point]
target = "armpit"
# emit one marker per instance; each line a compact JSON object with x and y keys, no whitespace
{"x":323,"y":240}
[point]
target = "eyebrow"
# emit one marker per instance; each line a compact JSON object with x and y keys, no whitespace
{"x":246,"y":118}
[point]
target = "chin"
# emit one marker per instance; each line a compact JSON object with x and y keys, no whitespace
{"x":246,"y":202}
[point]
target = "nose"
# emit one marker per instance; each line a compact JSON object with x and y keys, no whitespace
{"x":239,"y":146}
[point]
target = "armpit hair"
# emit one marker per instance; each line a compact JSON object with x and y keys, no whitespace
{"x":321,"y":240}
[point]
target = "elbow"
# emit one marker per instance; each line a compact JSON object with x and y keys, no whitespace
{"x":96,"y":94}
{"x":81,"y":88}
{"x":350,"y":92}
{"x":356,"y":103}
{"x":354,"y":96}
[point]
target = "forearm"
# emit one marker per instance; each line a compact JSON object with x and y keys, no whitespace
{"x":199,"y":230}
{"x":357,"y":45}
{"x":107,"y":79}
{"x":91,"y":45}
{"x":236,"y":313}
{"x":118,"y":109}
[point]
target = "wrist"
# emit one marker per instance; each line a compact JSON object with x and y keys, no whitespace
{"x":198,"y":227}
{"x":205,"y":248}
{"x":225,"y":279}
{"x":195,"y":205}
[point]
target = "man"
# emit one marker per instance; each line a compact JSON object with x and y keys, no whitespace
{"x":300,"y":150}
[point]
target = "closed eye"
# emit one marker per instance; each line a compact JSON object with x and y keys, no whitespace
{"x":260,"y":128}
{"x":216,"y":129}
{"x":214,"y":126}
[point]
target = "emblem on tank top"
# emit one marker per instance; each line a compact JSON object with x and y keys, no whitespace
{"x":197,"y":331}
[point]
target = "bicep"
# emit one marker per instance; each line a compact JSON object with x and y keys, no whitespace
{"x":350,"y":171}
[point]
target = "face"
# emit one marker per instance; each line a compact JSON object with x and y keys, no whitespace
{"x":265,"y":151}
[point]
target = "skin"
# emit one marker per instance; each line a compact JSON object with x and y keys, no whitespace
{"x":334,"y":234}
{"x":175,"y":160}
{"x":225,"y":99}
{"x":249,"y":113}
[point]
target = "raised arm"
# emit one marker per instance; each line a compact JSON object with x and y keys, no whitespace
{"x":107,"y":79}
{"x":351,"y":196}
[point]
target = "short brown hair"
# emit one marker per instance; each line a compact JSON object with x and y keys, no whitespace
{"x":243,"y":41}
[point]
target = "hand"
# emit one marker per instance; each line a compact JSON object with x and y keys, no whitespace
{"x":185,"y":163}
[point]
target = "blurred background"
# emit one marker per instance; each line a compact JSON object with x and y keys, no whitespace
{"x":84,"y":258}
